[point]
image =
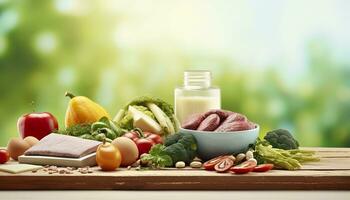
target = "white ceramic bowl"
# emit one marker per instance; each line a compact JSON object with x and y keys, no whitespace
{"x":212,"y":144}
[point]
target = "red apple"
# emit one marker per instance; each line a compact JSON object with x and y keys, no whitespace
{"x":37,"y":124}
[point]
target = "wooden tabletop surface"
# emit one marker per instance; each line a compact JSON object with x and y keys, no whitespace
{"x":331,"y":173}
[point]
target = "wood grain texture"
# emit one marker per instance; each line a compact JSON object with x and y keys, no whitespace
{"x":331,"y":173}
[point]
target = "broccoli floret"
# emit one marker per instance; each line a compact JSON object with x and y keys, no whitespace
{"x":281,"y":139}
{"x":177,"y":152}
{"x":189,"y":142}
{"x":188,"y":145}
{"x":172,"y":139}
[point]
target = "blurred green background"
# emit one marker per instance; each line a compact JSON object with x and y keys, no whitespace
{"x":283,"y":63}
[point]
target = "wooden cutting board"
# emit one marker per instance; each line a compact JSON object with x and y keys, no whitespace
{"x":331,"y":173}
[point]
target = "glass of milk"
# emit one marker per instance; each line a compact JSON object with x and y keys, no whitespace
{"x":197,"y":95}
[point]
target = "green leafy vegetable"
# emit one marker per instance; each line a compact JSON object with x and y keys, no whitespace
{"x":179,"y":147}
{"x":157,"y":157}
{"x":77,"y":130}
{"x":162,"y":118}
{"x":104,"y":129}
{"x":157,"y":109}
{"x":281,"y":139}
{"x":126,"y":122}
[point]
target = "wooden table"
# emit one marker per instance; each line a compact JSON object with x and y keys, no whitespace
{"x":331,"y":173}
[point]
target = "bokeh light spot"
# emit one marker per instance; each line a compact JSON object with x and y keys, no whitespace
{"x":64,"y":6}
{"x":8,"y":20}
{"x":66,"y":76}
{"x":46,"y":43}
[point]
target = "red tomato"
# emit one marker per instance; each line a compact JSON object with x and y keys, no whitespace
{"x":144,"y":145}
{"x":263,"y":168}
{"x":155,"y":137}
{"x":244,"y":167}
{"x":143,"y":140}
{"x":132,"y":135}
{"x":210,"y":164}
{"x":37,"y":125}
{"x":4,"y":156}
{"x":224,"y":165}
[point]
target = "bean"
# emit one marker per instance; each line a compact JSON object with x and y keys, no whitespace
{"x":240,"y":157}
{"x":249,"y":155}
{"x":180,"y":164}
{"x":195,"y":164}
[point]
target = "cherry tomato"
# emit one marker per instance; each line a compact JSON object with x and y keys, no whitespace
{"x":224,"y":165}
{"x":263,"y":168}
{"x":244,"y":167}
{"x":210,"y":164}
{"x":4,"y":156}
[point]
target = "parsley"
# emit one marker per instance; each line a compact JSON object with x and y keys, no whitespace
{"x":157,"y":157}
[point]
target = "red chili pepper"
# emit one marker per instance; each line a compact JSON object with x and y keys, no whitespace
{"x":244,"y":167}
{"x":210,"y":164}
{"x":143,"y":140}
{"x":263,"y":168}
{"x":224,"y":165}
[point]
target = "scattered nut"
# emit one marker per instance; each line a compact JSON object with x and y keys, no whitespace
{"x":249,"y":155}
{"x":180,"y":164}
{"x":85,"y":170}
{"x":71,"y":168}
{"x":53,"y":168}
{"x":239,"y":158}
{"x":195,"y":164}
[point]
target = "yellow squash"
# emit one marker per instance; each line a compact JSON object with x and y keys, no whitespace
{"x":82,"y":110}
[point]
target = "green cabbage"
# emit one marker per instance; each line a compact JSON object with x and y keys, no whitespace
{"x":164,"y":115}
{"x":127,"y":121}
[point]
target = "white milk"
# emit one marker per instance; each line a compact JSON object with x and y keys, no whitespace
{"x":196,"y":95}
{"x":187,"y":106}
